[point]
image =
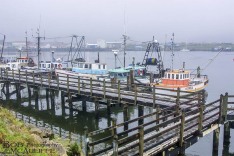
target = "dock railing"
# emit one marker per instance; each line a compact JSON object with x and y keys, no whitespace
{"x":154,"y":136}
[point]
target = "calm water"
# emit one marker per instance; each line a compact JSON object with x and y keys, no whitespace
{"x":218,"y":67}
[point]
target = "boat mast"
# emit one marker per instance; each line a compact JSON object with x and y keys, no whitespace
{"x":4,"y":38}
{"x":172,"y":50}
{"x":124,"y":48}
{"x":26,"y":44}
{"x":38,"y":47}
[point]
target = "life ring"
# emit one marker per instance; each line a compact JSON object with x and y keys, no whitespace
{"x":59,"y":66}
{"x":139,"y":72}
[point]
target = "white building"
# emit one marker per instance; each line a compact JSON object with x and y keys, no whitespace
{"x":101,"y":43}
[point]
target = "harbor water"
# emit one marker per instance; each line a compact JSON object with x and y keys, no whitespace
{"x":218,"y":67}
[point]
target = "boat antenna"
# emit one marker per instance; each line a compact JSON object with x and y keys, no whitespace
{"x":172,"y":50}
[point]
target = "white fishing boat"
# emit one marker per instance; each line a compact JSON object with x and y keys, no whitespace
{"x":20,"y":63}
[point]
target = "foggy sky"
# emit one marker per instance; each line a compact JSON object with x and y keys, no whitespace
{"x":190,"y":20}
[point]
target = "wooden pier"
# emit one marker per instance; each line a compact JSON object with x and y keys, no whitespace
{"x":101,"y":91}
{"x":178,"y":119}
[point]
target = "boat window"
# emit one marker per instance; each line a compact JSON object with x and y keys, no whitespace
{"x":90,"y":66}
{"x":104,"y":66}
{"x":80,"y":65}
{"x":125,"y":74}
{"x":48,"y":66}
{"x":180,"y":76}
{"x":86,"y":66}
{"x":26,"y":61}
{"x":169,"y":76}
{"x":99,"y":66}
{"x":55,"y":65}
{"x":187,"y":75}
{"x":172,"y":76}
{"x":120,"y":75}
{"x":43,"y":65}
{"x":177,"y":76}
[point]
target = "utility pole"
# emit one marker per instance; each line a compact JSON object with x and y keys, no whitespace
{"x":125,"y":39}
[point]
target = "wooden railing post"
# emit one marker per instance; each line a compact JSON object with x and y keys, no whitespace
{"x":154,"y":97}
{"x":57,"y":81}
{"x":78,"y":84}
{"x":91,"y":86}
{"x":6,"y":74}
{"x":201,"y":109}
{"x":118,"y":91}
{"x":49,"y":79}
{"x":19,"y":74}
{"x":178,"y":101}
{"x":200,"y":119}
{"x":158,"y":111}
{"x":67,"y":83}
{"x":115,"y":145}
{"x":114,"y":131}
{"x":40,"y":74}
{"x":1,"y":73}
{"x":33,"y":79}
{"x":26,"y":72}
{"x":225,"y":106}
{"x":141,"y":141}
{"x":12,"y":72}
{"x":104,"y":88}
{"x":221,"y":109}
{"x":135,"y":99}
{"x":182,"y":124}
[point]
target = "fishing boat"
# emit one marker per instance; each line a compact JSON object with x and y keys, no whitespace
{"x":84,"y":69}
{"x":139,"y":74}
{"x":172,"y":79}
{"x":20,"y":63}
{"x":183,"y":79}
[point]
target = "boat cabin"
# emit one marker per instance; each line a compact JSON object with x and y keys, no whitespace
{"x":48,"y":65}
{"x":121,"y":73}
{"x":90,"y":68}
{"x":20,"y":63}
{"x":176,"y":78}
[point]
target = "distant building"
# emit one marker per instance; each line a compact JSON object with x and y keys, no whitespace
{"x":101,"y":43}
{"x":18,"y":44}
{"x":113,"y":45}
{"x":91,"y":46}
